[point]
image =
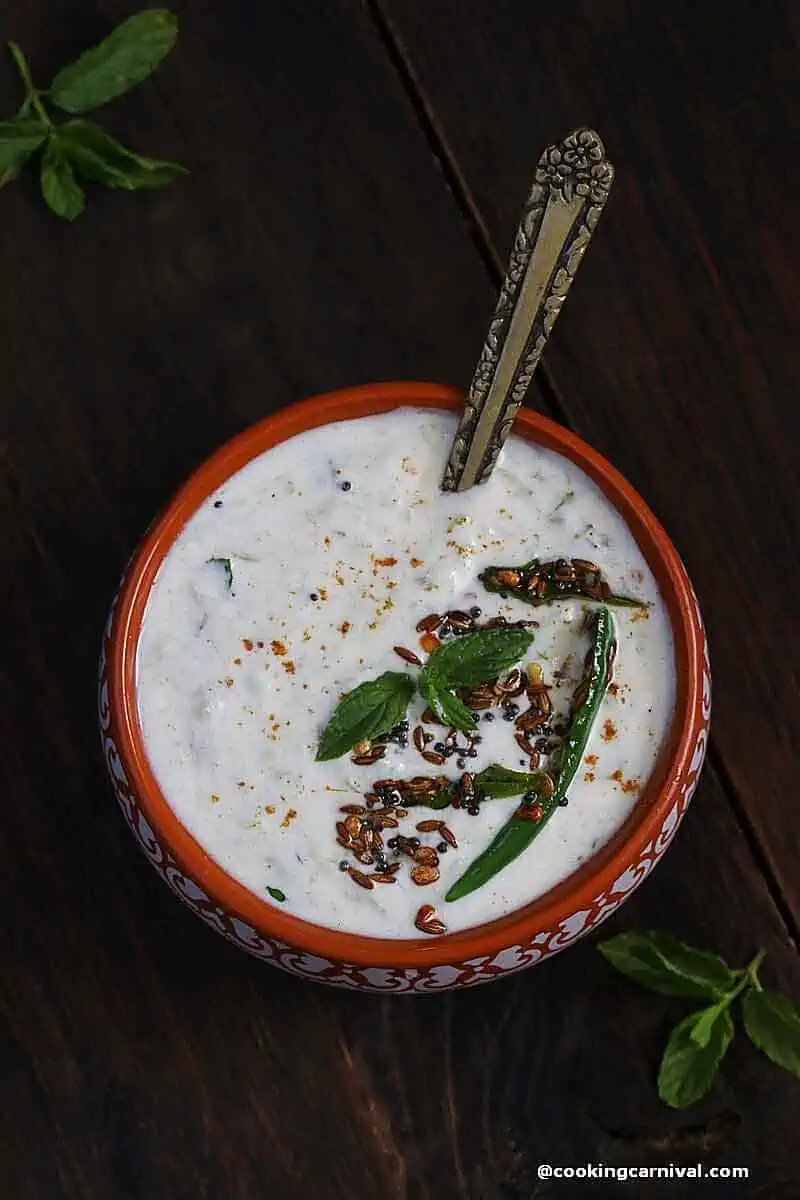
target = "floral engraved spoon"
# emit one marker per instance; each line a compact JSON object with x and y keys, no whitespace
{"x":570,"y":189}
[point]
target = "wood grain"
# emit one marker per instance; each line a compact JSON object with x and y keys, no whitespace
{"x":676,"y":355}
{"x":316,"y":243}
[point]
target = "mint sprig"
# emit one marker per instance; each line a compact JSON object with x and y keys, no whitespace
{"x":470,"y":660}
{"x":480,"y":656}
{"x":700,"y":1041}
{"x":466,"y":662}
{"x":80,"y":150}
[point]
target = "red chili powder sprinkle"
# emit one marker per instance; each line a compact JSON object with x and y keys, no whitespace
{"x":248,"y":644}
{"x":609,"y":730}
{"x":278,"y":647}
{"x":627,"y":785}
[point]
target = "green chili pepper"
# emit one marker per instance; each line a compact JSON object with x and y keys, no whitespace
{"x":530,"y":818}
{"x":498,"y":783}
{"x":539,"y":583}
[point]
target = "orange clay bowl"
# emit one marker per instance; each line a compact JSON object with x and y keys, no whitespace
{"x":476,"y":955}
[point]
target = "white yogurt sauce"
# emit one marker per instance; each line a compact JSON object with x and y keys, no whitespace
{"x":326,"y":580}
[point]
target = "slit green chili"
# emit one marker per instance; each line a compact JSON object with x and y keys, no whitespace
{"x":538,"y":583}
{"x":530,"y":818}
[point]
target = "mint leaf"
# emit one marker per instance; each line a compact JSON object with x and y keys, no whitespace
{"x":125,"y":58}
{"x":96,"y":155}
{"x":20,"y":137}
{"x":688,"y":1068}
{"x":465,"y":662}
{"x":372,"y":708}
{"x":665,"y":965}
{"x":478,"y":657}
{"x":60,"y":188}
{"x":773,"y":1024}
{"x":444,"y":702}
{"x":500,"y":782}
{"x":703,"y":1029}
{"x":277,"y":894}
{"x":20,"y":133}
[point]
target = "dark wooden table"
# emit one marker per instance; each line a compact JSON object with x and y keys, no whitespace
{"x":357,"y":173}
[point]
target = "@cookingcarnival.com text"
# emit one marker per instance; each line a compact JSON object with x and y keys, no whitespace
{"x":623,"y":1174}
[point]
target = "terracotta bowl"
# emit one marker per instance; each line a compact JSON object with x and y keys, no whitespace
{"x":472,"y":956}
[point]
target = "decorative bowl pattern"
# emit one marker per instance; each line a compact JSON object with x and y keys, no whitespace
{"x":410,"y":966}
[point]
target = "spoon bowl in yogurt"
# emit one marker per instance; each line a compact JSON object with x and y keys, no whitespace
{"x":276,"y":663}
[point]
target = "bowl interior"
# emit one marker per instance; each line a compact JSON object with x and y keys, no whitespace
{"x":546,"y":913}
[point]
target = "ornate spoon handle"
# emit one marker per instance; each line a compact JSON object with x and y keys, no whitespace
{"x":571,"y":187}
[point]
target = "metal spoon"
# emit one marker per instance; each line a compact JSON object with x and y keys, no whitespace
{"x":571,"y":187}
